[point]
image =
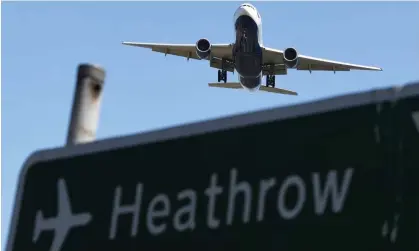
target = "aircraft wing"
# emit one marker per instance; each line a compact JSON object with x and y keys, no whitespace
{"x":275,"y":57}
{"x":188,"y":51}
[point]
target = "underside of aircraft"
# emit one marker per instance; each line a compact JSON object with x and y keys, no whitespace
{"x":249,"y":57}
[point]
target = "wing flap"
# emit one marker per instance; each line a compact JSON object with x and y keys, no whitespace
{"x":276,"y":69}
{"x":221,"y":51}
{"x":319,"y":67}
{"x":217,"y":62}
{"x":182,"y":50}
{"x":273,"y":57}
{"x":319,"y":64}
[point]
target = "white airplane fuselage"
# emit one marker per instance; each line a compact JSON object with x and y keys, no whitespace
{"x":248,"y":57}
{"x":247,"y":51}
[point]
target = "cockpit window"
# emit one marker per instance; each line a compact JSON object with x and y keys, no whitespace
{"x":253,"y":8}
{"x":249,"y":6}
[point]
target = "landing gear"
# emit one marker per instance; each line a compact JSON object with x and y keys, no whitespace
{"x":222,"y":76}
{"x":270,"y":81}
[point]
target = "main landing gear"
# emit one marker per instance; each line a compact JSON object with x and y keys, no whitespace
{"x":222,"y":76}
{"x":270,"y":81}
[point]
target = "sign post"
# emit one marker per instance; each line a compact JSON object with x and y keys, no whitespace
{"x":302,"y":177}
{"x":86,"y":104}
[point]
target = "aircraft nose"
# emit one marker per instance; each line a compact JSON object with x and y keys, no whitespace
{"x":244,"y":10}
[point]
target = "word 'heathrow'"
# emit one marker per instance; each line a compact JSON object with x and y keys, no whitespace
{"x":244,"y":202}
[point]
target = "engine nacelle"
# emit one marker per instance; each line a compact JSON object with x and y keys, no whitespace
{"x":203,"y":48}
{"x":290,"y":57}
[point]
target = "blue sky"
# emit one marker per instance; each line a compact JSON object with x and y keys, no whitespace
{"x":44,"y":42}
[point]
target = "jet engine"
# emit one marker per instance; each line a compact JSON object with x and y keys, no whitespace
{"x":290,"y":57}
{"x":203,"y":48}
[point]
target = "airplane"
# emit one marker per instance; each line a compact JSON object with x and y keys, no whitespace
{"x":64,"y":221}
{"x":249,"y":57}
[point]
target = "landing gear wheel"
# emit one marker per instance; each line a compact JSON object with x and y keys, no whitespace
{"x":270,"y":81}
{"x":222,"y":76}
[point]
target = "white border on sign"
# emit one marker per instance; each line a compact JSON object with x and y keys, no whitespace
{"x":197,"y":128}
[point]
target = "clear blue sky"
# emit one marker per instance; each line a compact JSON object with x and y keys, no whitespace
{"x":43,"y":43}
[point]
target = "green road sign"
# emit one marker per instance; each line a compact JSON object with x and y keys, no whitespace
{"x":327,"y":174}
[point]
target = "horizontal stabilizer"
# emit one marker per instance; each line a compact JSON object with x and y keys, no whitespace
{"x":277,"y":90}
{"x":230,"y":85}
{"x":233,"y":85}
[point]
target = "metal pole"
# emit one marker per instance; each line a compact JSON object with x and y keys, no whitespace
{"x":86,"y":104}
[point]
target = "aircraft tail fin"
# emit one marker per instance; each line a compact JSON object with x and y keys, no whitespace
{"x":38,"y":222}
